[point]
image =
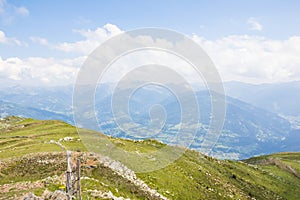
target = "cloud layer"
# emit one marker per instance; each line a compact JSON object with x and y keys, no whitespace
{"x":92,"y":39}
{"x":244,"y":58}
{"x":8,"y":40}
{"x":254,"y":24}
{"x":255,"y":59}
{"x":37,"y":71}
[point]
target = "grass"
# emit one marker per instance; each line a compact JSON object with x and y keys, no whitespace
{"x":192,"y":176}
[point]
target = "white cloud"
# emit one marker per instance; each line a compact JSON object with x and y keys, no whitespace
{"x":254,"y":24}
{"x":39,"y":40}
{"x":93,"y":38}
{"x":244,"y":58}
{"x":37,"y":70}
{"x":9,"y":40}
{"x":254,"y":59}
{"x":8,"y":12}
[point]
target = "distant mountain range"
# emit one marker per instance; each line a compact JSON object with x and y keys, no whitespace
{"x":12,"y":109}
{"x":280,"y":98}
{"x":252,"y":126}
{"x":247,"y":130}
{"x":54,"y":99}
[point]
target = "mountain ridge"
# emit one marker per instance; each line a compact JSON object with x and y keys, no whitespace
{"x":248,"y":131}
{"x":28,"y":160}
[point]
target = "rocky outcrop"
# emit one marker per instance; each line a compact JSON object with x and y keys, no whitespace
{"x":57,"y":195}
{"x":104,"y":195}
{"x":27,"y":185}
{"x":89,"y":161}
{"x":128,"y":174}
{"x":31,"y":196}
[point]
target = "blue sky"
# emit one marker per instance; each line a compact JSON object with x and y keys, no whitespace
{"x":36,"y":29}
{"x":211,"y":19}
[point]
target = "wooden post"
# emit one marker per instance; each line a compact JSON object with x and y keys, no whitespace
{"x":69,"y":172}
{"x":78,"y":180}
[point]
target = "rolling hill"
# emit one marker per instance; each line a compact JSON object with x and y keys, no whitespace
{"x":33,"y":159}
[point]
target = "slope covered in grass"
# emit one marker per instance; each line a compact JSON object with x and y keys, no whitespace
{"x":32,"y":159}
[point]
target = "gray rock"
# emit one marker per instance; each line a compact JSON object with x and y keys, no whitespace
{"x":31,"y":196}
{"x":57,"y":195}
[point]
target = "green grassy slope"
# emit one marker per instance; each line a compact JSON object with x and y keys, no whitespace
{"x":31,"y":160}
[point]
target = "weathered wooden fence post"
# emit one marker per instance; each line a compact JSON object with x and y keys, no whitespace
{"x":69,"y":172}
